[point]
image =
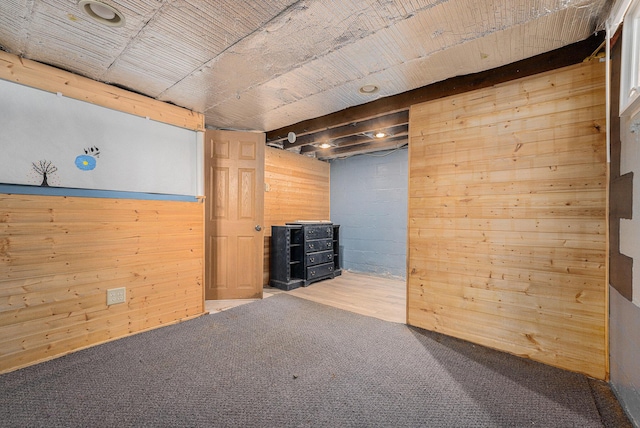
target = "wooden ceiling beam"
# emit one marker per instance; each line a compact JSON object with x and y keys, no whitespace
{"x":388,"y":121}
{"x":562,"y":57}
{"x":373,"y":146}
{"x":394,"y":131}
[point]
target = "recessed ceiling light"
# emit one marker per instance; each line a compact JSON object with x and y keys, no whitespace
{"x":325,"y":145}
{"x":368,"y":89}
{"x":380,"y":134}
{"x":103,"y":13}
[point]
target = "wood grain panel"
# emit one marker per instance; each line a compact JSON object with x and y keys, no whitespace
{"x":507,"y":209}
{"x":220,"y":182}
{"x":246,"y":190}
{"x":219,"y":262}
{"x":51,"y":79}
{"x":59,"y":255}
{"x":246,"y":250}
{"x":297,"y":188}
{"x":232,"y":271}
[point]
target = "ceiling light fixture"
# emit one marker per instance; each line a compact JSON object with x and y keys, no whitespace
{"x":380,"y":134}
{"x":103,"y":13}
{"x":325,"y":145}
{"x":368,"y":89}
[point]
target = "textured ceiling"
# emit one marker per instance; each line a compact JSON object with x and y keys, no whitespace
{"x":263,"y":65}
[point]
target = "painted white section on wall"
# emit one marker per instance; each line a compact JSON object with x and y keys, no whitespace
{"x":200,"y":164}
{"x":630,"y":228}
{"x":130,"y":153}
{"x":624,"y":316}
{"x":625,"y":351}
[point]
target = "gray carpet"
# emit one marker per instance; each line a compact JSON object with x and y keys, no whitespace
{"x":288,"y":362}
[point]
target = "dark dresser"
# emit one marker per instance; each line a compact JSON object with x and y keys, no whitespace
{"x":302,"y":253}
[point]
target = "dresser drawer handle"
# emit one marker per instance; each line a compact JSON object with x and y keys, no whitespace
{"x":311,"y":259}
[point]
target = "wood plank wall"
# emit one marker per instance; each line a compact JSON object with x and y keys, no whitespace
{"x":59,"y":255}
{"x":507,"y":206}
{"x":296,"y":188}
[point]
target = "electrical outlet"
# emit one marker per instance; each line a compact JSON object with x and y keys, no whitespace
{"x":116,"y":295}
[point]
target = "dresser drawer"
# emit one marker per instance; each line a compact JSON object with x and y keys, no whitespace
{"x":319,"y":271}
{"x":319,"y":245}
{"x":319,"y":258}
{"x":318,"y":232}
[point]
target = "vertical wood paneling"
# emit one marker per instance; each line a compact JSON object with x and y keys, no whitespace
{"x":507,"y":205}
{"x":59,"y":255}
{"x":297,"y":188}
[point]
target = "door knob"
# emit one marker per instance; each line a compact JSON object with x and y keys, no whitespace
{"x":258,"y":228}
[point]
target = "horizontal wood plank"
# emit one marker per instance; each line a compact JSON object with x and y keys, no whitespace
{"x":59,"y":255}
{"x":51,"y":79}
{"x":507,"y":209}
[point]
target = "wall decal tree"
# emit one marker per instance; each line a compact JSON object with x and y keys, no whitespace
{"x":44,"y":168}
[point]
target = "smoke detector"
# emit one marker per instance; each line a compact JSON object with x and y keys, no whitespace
{"x":368,"y":89}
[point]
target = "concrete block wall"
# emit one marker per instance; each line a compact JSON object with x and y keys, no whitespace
{"x":369,"y":202}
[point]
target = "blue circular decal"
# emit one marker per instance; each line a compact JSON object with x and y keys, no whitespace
{"x":85,"y":163}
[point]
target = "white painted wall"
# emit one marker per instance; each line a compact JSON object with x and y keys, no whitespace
{"x":136,"y":154}
{"x":624,"y":316}
{"x":630,"y":228}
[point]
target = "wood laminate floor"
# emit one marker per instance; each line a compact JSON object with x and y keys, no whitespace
{"x":374,"y":296}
